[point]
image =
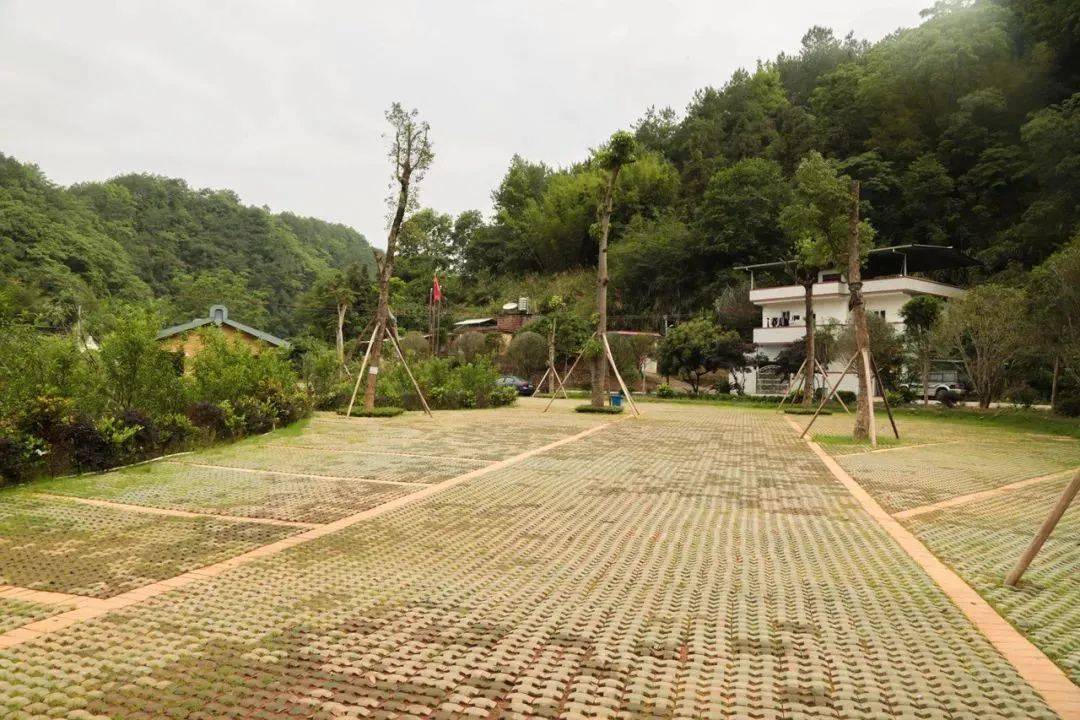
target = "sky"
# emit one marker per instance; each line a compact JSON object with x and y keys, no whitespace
{"x":283,"y":102}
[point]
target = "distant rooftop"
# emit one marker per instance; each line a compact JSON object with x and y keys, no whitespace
{"x":218,"y":316}
{"x":899,"y":260}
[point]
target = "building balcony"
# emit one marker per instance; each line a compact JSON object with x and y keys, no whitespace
{"x":779,"y":335}
{"x":787,"y":334}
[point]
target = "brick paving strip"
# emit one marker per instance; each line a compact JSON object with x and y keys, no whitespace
{"x":982,"y":495}
{"x":176,"y":513}
{"x":256,"y":471}
{"x":1059,"y":692}
{"x":907,"y":447}
{"x":445,"y":458}
{"x":43,"y":597}
{"x":87,"y":608}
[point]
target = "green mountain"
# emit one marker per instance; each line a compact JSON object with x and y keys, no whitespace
{"x":143,"y":237}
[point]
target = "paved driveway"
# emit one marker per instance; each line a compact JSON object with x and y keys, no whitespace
{"x":695,"y":563}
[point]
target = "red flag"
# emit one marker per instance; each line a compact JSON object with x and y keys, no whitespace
{"x":436,"y":291}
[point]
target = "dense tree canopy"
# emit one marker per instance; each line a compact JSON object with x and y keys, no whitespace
{"x":962,"y":131}
{"x":141,"y":236}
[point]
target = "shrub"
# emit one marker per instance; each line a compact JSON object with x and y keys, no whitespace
{"x":255,"y":416}
{"x":527,"y":354}
{"x":207,"y":416}
{"x":895,"y":398}
{"x":502,"y":396}
{"x":144,"y":438}
{"x":602,"y":410}
{"x":446,"y":383}
{"x":175,"y":431}
{"x":86,"y":446}
{"x":848,"y":396}
{"x":415,"y":345}
{"x":321,"y":373}
{"x":665,"y":391}
{"x":21,"y":456}
{"x":1068,"y":405}
{"x":253,"y":391}
{"x":804,"y":411}
{"x":722,"y":386}
{"x":469,"y":346}
{"x":133,"y":371}
{"x":1025,"y":396}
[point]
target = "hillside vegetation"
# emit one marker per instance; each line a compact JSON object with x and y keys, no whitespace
{"x":136,"y":238}
{"x":963,"y":131}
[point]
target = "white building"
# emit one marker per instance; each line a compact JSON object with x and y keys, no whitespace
{"x":887,"y":285}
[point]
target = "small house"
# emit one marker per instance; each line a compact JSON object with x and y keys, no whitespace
{"x":183,"y":338}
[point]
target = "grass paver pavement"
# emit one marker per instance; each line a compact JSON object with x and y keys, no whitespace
{"x":695,"y":563}
{"x":916,"y":476}
{"x":63,"y":546}
{"x":983,"y":540}
{"x":177,"y":486}
{"x":16,"y":613}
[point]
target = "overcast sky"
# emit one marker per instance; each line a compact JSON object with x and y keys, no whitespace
{"x":283,"y":101}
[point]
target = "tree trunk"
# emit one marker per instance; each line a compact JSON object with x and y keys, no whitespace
{"x":382,"y":311}
{"x":599,"y":364}
{"x":926,"y":379}
{"x":810,"y":368}
{"x":858,"y":317}
{"x":1053,"y":383}
{"x":551,"y":359}
{"x":342,"y":308}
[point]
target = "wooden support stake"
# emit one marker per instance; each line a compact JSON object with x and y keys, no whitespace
{"x":865,"y":353}
{"x":831,"y":393}
{"x":543,"y":378}
{"x":360,"y":374}
{"x":401,"y":355}
{"x":1044,"y":531}
{"x":622,"y":385}
{"x":568,"y":374}
{"x":559,"y":379}
{"x":825,"y":377}
{"x":885,"y":397}
{"x":784,"y":399}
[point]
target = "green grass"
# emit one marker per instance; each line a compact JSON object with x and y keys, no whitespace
{"x":379,"y":412}
{"x":846,"y":441}
{"x":602,"y":410}
{"x":1016,"y":419}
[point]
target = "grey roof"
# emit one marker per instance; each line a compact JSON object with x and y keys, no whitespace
{"x":475,"y":321}
{"x":920,"y":258}
{"x":219,"y":315}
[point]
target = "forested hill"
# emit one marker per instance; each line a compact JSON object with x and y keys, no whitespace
{"x":140,"y":237}
{"x":963,"y":131}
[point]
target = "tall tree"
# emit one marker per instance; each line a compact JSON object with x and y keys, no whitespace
{"x":823,"y":222}
{"x":979,"y":329}
{"x":921,"y":315}
{"x":618,"y":153}
{"x":411,"y":155}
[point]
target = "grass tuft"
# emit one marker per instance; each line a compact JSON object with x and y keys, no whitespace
{"x":379,"y":412}
{"x":604,"y":410}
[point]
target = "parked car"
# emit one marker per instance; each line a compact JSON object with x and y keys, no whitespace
{"x":524,"y":387}
{"x":938,"y":390}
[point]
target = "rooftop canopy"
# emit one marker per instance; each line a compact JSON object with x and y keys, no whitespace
{"x":219,"y":315}
{"x":899,"y":260}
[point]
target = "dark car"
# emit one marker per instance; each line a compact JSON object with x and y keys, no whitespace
{"x":524,"y":387}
